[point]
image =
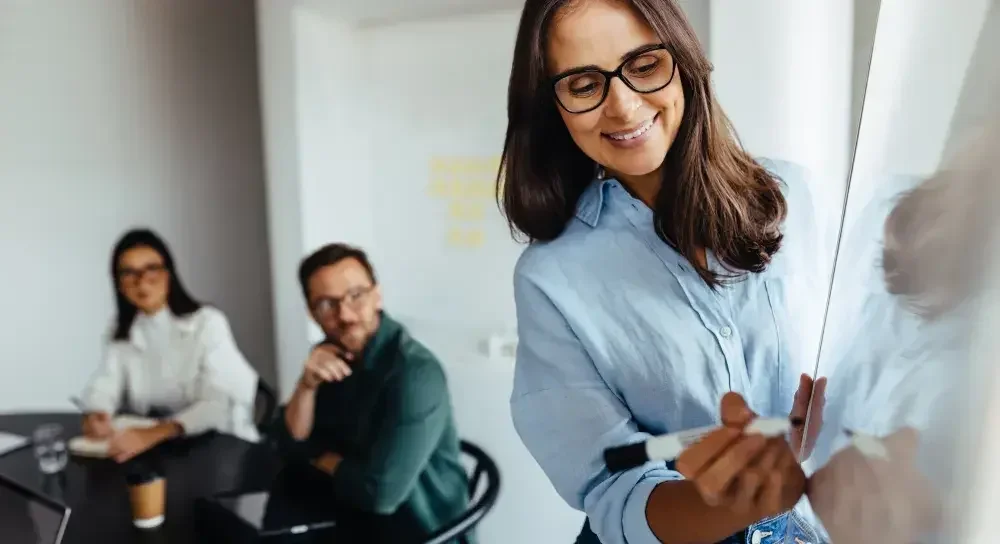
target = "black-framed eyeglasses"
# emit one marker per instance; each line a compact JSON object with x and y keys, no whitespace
{"x":645,"y":71}
{"x":134,"y":276}
{"x":352,"y":299}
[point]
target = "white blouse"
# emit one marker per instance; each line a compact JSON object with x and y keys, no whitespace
{"x":189,"y":367}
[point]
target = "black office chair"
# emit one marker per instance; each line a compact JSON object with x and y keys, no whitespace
{"x":264,"y":406}
{"x":480,"y":503}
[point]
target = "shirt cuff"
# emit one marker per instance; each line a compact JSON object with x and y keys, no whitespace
{"x":197,"y":419}
{"x":634,"y":525}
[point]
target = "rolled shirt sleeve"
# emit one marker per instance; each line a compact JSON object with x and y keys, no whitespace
{"x":566,"y":415}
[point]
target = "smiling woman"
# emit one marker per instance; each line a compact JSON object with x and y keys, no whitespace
{"x":648,"y":291}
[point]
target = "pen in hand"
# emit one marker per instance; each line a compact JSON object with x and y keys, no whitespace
{"x":79,"y":404}
{"x":668,"y":447}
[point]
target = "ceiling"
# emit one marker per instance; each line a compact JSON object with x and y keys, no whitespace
{"x":369,"y":12}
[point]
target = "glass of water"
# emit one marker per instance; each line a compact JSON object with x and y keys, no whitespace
{"x":50,"y":448}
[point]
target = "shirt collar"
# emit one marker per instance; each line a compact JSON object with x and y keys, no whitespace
{"x":591,"y":203}
{"x":165,"y":317}
{"x":385,"y":340}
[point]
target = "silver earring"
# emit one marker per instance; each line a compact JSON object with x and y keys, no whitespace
{"x":601,"y":173}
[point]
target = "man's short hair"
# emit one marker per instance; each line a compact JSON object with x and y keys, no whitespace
{"x":328,"y":255}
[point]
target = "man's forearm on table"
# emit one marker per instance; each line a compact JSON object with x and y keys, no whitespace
{"x":300,"y":413}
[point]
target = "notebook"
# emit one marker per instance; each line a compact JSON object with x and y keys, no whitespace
{"x":88,"y":447}
{"x":11,"y":442}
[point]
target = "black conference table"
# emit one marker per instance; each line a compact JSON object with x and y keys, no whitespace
{"x":95,"y":489}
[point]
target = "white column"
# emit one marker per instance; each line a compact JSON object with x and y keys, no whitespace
{"x":276,"y":50}
{"x":316,"y":140}
{"x":783,"y":75}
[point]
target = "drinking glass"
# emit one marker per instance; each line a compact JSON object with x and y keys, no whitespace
{"x":50,"y":448}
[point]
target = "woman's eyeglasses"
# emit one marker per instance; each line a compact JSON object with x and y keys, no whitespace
{"x":645,"y":71}
{"x":331,"y":305}
{"x":134,"y":276}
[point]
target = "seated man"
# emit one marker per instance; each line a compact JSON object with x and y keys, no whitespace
{"x":371,"y":408}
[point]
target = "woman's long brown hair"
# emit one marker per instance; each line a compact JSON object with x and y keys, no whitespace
{"x":713,"y":196}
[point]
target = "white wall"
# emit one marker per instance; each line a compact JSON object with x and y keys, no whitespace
{"x":115,"y":114}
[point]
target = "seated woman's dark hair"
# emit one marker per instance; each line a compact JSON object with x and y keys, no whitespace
{"x":178,"y":300}
{"x":714,"y":195}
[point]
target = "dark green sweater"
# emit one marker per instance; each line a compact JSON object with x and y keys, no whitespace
{"x":391,"y":421}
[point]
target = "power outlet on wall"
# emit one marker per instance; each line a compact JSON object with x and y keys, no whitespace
{"x":499,"y":347}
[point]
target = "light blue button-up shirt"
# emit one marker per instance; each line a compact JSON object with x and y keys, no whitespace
{"x":620,"y":339}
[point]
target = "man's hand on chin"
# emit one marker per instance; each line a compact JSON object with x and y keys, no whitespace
{"x":328,"y":462}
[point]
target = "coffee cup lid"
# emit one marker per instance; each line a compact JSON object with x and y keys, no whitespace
{"x":140,"y":477}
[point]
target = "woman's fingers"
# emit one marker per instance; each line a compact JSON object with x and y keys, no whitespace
{"x":734,"y":411}
{"x":748,"y":486}
{"x":719,"y":476}
{"x":696,"y":458}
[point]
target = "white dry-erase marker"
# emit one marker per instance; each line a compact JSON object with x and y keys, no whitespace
{"x":668,"y":447}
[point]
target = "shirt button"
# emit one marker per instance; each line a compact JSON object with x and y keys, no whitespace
{"x":725,"y":332}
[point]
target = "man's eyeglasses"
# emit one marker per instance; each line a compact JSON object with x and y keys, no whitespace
{"x":134,"y":276}
{"x":353,"y":300}
{"x":645,"y":71}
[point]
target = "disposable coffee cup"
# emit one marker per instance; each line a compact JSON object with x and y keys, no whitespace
{"x":147,"y":492}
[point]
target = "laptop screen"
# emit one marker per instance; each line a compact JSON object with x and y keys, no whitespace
{"x":28,"y":519}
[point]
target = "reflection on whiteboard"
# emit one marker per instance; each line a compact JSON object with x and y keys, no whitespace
{"x":465,"y":184}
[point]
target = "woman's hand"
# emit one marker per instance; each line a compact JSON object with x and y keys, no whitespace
{"x":97,"y":425}
{"x":800,"y":407}
{"x":129,"y":443}
{"x":863,"y":500}
{"x":748,"y":474}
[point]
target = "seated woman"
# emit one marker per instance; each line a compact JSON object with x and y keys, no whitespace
{"x":168,"y":357}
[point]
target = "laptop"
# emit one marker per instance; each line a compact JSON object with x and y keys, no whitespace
{"x":288,"y":508}
{"x":27,"y":517}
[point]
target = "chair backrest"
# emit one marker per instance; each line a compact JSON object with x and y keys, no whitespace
{"x":265,"y":405}
{"x":480,"y":501}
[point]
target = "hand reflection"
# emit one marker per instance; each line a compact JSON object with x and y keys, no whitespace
{"x":861,"y":499}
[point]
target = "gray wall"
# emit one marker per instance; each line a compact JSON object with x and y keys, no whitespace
{"x":116,"y":113}
{"x":978,"y":101}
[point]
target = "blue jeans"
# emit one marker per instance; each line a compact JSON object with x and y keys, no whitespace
{"x":766,"y":531}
